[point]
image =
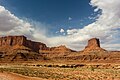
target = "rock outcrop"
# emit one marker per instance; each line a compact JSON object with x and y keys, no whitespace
{"x":93,"y":45}
{"x":21,"y":41}
{"x":61,"y":48}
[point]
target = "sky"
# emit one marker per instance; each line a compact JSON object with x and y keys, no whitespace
{"x":63,"y":22}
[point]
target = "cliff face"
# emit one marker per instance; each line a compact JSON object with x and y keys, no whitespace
{"x":93,"y":45}
{"x":21,"y":41}
{"x":12,"y":40}
{"x":35,"y":46}
{"x":94,"y":42}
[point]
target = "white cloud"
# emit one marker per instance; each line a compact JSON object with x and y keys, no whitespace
{"x":112,"y":46}
{"x":69,"y":18}
{"x":72,"y":31}
{"x":62,"y":30}
{"x":10,"y":24}
{"x":106,"y":27}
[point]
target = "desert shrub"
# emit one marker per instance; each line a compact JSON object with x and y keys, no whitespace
{"x":38,"y":65}
{"x":49,"y":65}
{"x":81,"y":65}
{"x":46,"y":58}
{"x":45,"y":65}
{"x":1,"y":70}
{"x":92,"y":68}
{"x":55,"y":65}
{"x":73,"y":66}
{"x":63,"y":66}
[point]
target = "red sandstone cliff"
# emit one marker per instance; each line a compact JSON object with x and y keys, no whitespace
{"x":93,"y":45}
{"x":12,"y":41}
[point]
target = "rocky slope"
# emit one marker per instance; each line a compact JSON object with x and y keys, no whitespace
{"x":59,"y":49}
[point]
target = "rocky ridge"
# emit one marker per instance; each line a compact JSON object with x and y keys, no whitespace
{"x":19,"y":48}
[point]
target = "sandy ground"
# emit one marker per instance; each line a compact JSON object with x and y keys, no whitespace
{"x":13,"y":76}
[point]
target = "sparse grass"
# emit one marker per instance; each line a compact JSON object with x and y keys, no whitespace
{"x":56,"y":73}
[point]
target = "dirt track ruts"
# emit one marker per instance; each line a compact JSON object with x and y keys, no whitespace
{"x":13,"y":76}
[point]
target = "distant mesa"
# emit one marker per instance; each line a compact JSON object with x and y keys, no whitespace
{"x":19,"y":48}
{"x":61,"y":48}
{"x":93,"y":45}
{"x":13,"y":41}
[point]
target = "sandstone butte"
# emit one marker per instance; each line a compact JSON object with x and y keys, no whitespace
{"x":93,"y":45}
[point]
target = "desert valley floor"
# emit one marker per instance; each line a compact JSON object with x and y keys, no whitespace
{"x":23,"y":59}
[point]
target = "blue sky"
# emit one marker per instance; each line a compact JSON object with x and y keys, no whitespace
{"x":55,"y":13}
{"x":63,"y":22}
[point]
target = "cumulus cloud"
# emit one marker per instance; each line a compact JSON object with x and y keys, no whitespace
{"x":106,"y":27}
{"x":10,"y":24}
{"x":72,"y":31}
{"x":62,"y":30}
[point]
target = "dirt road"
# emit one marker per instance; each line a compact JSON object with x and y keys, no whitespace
{"x":13,"y":76}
